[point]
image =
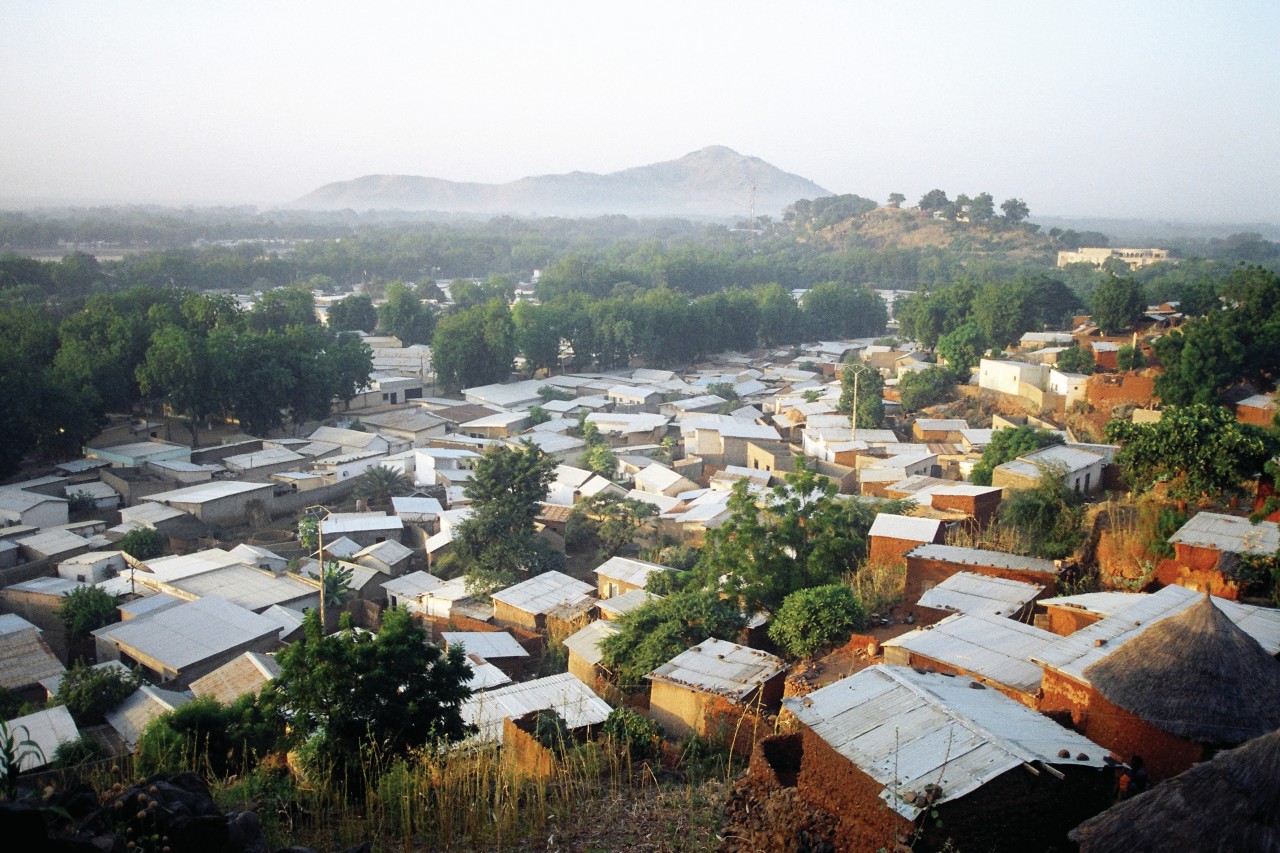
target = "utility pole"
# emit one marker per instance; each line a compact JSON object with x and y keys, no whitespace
{"x":853,"y":416}
{"x":312,"y":511}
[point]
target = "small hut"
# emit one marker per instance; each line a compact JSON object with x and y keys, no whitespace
{"x":1189,"y":685}
{"x":1229,"y":803}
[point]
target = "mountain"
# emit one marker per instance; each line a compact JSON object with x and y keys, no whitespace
{"x":715,"y":182}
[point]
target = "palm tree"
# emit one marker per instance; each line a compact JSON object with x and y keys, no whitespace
{"x":379,"y":484}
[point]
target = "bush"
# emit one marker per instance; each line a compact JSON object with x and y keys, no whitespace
{"x":142,"y":543}
{"x":82,"y":750}
{"x":925,"y":388}
{"x":1046,"y":518}
{"x":205,"y":734}
{"x":86,"y":609}
{"x":641,"y":735}
{"x":89,"y":692}
{"x":550,"y":730}
{"x":813,"y":619}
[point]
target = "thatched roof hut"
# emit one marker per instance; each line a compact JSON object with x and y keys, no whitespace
{"x":1195,"y":675}
{"x":1229,"y":803}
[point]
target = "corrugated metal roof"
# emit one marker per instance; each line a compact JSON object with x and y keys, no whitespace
{"x":247,"y":673}
{"x":191,"y":632}
{"x":1073,"y":653}
{"x":720,"y":667}
{"x":484,"y":675}
{"x":412,"y":585}
{"x":338,"y":523}
{"x":569,"y":697}
{"x":627,"y":570}
{"x":982,"y":557}
{"x":211,"y":491}
{"x":1229,"y":533}
{"x":490,"y":645}
{"x":585,"y":643}
{"x":45,"y":586}
{"x":942,"y":424}
{"x":250,"y":588}
{"x":131,"y":717}
{"x":904,"y":527}
{"x":993,"y":647}
{"x":1104,"y":603}
{"x":626,"y":602}
{"x":25,"y":658}
{"x":1072,"y":458}
{"x":908,"y":730}
{"x":49,"y":729}
{"x":967,"y":592}
{"x":390,"y":552}
{"x":546,"y":592}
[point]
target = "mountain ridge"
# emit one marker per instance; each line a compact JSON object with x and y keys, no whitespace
{"x":713,"y":182}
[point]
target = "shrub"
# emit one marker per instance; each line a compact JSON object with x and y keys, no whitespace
{"x":86,"y":609}
{"x":142,"y":543}
{"x":641,"y":735}
{"x":813,"y":619}
{"x":550,"y":730}
{"x":89,"y":692}
{"x":82,"y":750}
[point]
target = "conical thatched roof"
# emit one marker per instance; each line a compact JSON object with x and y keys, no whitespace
{"x":1231,"y":803}
{"x":1195,"y":675}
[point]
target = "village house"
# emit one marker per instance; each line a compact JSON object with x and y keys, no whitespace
{"x":221,"y":502}
{"x":1071,"y":387}
{"x":32,"y":509}
{"x":246,"y":586}
{"x":1066,"y":614}
{"x":363,"y":528}
{"x":414,"y":425}
{"x":505,"y":395}
{"x":892,"y":536}
{"x":549,"y":598}
{"x":265,"y":462}
{"x":46,"y":730}
{"x":1212,"y":806}
{"x":1011,"y":377}
{"x":92,"y":566}
{"x":930,"y":564}
{"x":579,"y":707}
{"x":629,"y":430}
{"x":388,"y":558}
{"x":614,"y":607}
{"x":37,"y":602}
{"x":1207,"y":551}
{"x":949,"y":498}
{"x":722,"y":440}
{"x":892,"y":753}
{"x":583,"y":647}
{"x":1106,"y":354}
{"x":496,"y":426}
{"x":695,"y":690}
{"x":938,"y":429}
{"x":1080,"y":469}
{"x":619,"y":575}
{"x":701,"y":404}
{"x":970,"y":592}
{"x":241,"y":676}
{"x":131,"y":717}
{"x":25,"y":658}
{"x":559,"y":446}
{"x":660,"y":480}
{"x":498,"y":648}
{"x":1173,"y":678}
{"x":631,"y":399}
{"x":1258,"y":410}
{"x":354,"y":441}
{"x":994,"y":650}
{"x":134,"y":454}
{"x":181,"y":643}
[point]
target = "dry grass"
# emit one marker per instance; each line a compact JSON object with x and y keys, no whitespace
{"x":879,"y":585}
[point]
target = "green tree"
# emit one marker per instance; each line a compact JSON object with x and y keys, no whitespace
{"x":350,"y":693}
{"x":811,"y":620}
{"x":1200,"y":450}
{"x":475,"y":346}
{"x":354,"y":313}
{"x":379,"y":484}
{"x":963,"y":347}
{"x":616,"y":522}
{"x":982,"y":208}
{"x":1045,"y":519}
{"x":1117,"y":303}
{"x":932,"y":201}
{"x":86,"y":609}
{"x":1129,"y":358}
{"x":142,"y":543}
{"x":204,"y":733}
{"x":283,"y":307}
{"x":177,"y":370}
{"x":780,"y":317}
{"x":869,"y":385}
{"x":1015,"y":211}
{"x":923,"y":388}
{"x":896,"y":199}
{"x":1076,"y":359}
{"x":404,"y":315}
{"x":89,"y":692}
{"x":496,"y":543}
{"x":657,"y":631}
{"x":536,"y":336}
{"x":1008,"y":444}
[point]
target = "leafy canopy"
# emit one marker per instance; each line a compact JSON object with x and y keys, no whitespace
{"x":657,"y":631}
{"x":1008,"y":444}
{"x":86,"y":609}
{"x":816,"y":618}
{"x":1201,"y":450}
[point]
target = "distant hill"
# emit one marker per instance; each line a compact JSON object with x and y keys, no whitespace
{"x":891,"y":228}
{"x":715,"y":182}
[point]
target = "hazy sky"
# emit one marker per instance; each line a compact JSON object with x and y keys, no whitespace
{"x":1127,"y":109}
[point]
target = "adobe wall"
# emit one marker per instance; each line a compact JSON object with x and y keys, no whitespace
{"x":922,"y":571}
{"x":1066,"y":620}
{"x":1198,"y":569}
{"x":1019,"y":811}
{"x":521,"y":752}
{"x":506,"y":615}
{"x":1255,"y":416}
{"x":831,"y":783}
{"x":982,"y":508}
{"x":589,"y":674}
{"x":40,"y":610}
{"x":885,"y":549}
{"x":1118,"y":730}
{"x":677,"y":709}
{"x":1113,"y":388}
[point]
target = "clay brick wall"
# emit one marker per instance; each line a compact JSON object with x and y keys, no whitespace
{"x":885,"y":549}
{"x":1118,"y":730}
{"x":922,"y":571}
{"x":1199,"y":569}
{"x":1067,"y":620}
{"x":830,"y":782}
{"x":1103,"y":389}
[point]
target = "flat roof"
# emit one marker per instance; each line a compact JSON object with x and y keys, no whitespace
{"x":490,"y":645}
{"x":193,"y":632}
{"x":905,"y":527}
{"x":205,"y":492}
{"x":982,"y":557}
{"x":1229,"y":533}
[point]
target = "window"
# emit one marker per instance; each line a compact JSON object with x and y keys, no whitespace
{"x":1087,"y":477}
